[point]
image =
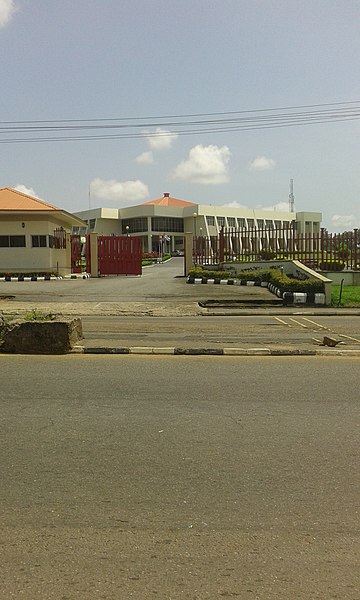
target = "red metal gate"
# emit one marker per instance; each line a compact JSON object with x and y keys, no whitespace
{"x":118,"y":255}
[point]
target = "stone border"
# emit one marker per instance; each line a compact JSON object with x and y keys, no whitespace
{"x":45,"y":277}
{"x":173,"y":351}
{"x":32,"y":278}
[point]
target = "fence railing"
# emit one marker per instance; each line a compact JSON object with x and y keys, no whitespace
{"x":323,"y":250}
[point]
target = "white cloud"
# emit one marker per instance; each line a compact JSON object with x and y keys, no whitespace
{"x":280,"y":206}
{"x":234,"y":205}
{"x":119,"y":191}
{"x":205,"y":165}
{"x":261,"y":163}
{"x":7,"y":9}
{"x":160,"y":139}
{"x":343,"y":220}
{"x":25,"y":190}
{"x":146,"y":158}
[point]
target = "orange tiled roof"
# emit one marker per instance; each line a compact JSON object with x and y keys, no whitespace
{"x":167,"y":200}
{"x":11,"y":199}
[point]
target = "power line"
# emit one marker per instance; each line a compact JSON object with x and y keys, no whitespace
{"x":257,"y":110}
{"x":127,"y":127}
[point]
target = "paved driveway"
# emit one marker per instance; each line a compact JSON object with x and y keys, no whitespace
{"x":159,"y":282}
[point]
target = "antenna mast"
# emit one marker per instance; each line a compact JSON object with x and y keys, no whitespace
{"x":291,"y":196}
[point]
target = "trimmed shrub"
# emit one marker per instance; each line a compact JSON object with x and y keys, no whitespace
{"x":332,"y":265}
{"x":267,"y":255}
{"x":272,"y":275}
{"x":198,"y":272}
{"x":286,"y":284}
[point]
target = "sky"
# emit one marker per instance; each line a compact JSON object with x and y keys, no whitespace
{"x":162,"y":88}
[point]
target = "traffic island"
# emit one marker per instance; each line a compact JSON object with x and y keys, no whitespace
{"x":40,"y":337}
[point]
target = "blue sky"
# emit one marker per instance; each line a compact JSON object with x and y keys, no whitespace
{"x":116,"y":59}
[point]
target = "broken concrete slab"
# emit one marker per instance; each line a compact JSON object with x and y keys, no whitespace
{"x":40,"y":337}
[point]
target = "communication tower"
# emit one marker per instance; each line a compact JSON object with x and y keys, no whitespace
{"x":291,"y":196}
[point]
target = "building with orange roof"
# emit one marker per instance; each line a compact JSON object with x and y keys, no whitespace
{"x":34,"y":235}
{"x":168,"y":218}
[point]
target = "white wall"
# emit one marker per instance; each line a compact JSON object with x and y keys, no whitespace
{"x":29,"y":259}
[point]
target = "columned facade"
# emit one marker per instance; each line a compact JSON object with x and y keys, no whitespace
{"x":169,"y":217}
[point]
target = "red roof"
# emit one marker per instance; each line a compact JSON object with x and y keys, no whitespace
{"x":11,"y":199}
{"x":167,"y":200}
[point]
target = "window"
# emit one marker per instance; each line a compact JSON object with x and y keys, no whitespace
{"x":269,"y":224}
{"x":12,"y":241}
{"x":163,"y":224}
{"x":38,"y":241}
{"x":221,"y":221}
{"x":241,"y":223}
{"x":92,"y":223}
{"x":135,"y":225}
{"x":250,"y":222}
{"x":17,"y":241}
{"x":231,"y":221}
{"x":210,"y":220}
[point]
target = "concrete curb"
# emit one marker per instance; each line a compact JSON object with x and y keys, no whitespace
{"x":45,"y":277}
{"x":32,"y":278}
{"x":173,"y":351}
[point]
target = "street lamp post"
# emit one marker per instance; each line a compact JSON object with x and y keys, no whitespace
{"x":194,"y":239}
{"x":195,"y":215}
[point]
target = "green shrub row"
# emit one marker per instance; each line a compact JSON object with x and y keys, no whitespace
{"x":41,"y":274}
{"x":332,"y":265}
{"x":198,"y":271}
{"x":288,"y":284}
{"x":274,"y":276}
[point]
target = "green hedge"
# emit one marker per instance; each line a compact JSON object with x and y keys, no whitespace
{"x":288,"y":284}
{"x":32,"y":274}
{"x":331,"y":265}
{"x":198,"y":271}
{"x":274,"y":276}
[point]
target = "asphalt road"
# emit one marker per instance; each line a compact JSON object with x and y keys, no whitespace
{"x":303,"y":331}
{"x":160,"y":309}
{"x":180,"y":477}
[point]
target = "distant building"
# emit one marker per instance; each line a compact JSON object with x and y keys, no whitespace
{"x":34,"y":235}
{"x":171,"y":217}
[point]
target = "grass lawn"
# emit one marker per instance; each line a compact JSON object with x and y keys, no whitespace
{"x":350,"y":295}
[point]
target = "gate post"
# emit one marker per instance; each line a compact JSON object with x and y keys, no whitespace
{"x":221,"y":245}
{"x":67,"y":254}
{"x":93,"y":248}
{"x":188,"y":254}
{"x":355,"y":250}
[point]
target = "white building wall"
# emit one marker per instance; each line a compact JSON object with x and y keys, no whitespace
{"x":200,"y":219}
{"x":28,"y":259}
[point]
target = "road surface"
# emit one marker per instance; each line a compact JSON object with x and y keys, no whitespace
{"x":301,"y":331}
{"x":179,"y":478}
